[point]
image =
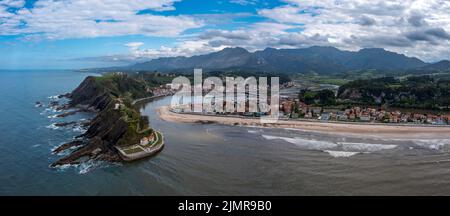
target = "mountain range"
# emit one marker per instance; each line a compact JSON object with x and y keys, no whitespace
{"x":322,"y":60}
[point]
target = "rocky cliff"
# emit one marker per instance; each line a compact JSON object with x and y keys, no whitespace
{"x":111,"y":126}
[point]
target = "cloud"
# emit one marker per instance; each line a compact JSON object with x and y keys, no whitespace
{"x":417,"y":20}
{"x":366,"y":21}
{"x":412,"y":27}
{"x":406,"y":26}
{"x":12,"y":3}
{"x":244,"y":2}
{"x":50,"y":19}
{"x":134,"y":45}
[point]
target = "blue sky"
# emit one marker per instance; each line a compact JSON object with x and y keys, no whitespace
{"x":56,"y":34}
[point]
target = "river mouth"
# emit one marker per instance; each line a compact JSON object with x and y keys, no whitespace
{"x":212,"y":159}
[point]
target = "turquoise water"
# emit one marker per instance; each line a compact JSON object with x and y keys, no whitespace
{"x":205,"y":159}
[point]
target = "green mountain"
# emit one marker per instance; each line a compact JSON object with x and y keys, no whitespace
{"x":322,"y":60}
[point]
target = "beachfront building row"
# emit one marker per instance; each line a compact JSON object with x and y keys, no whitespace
{"x":296,"y":109}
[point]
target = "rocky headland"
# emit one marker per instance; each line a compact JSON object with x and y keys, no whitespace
{"x":117,"y":122}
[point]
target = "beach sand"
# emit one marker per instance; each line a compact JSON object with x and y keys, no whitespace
{"x":351,"y":129}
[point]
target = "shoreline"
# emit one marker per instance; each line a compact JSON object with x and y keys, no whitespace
{"x":341,"y":128}
{"x":140,"y":100}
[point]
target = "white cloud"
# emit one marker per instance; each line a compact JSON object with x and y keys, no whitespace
{"x":12,"y":3}
{"x":134,"y":45}
{"x":244,"y":2}
{"x":398,"y":25}
{"x":93,"y":18}
{"x":182,"y":48}
{"x":414,"y":27}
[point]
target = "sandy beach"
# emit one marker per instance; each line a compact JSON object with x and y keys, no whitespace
{"x":351,"y":129}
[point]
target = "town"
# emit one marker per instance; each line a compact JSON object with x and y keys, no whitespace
{"x":295,"y":109}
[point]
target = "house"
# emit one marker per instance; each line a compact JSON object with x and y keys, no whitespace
{"x":288,"y":106}
{"x":393,"y":119}
{"x":144,"y":141}
{"x":147,"y":140}
{"x":325,"y":117}
{"x":341,"y":116}
{"x":365,"y":117}
{"x":352,"y":116}
{"x":440,"y":121}
{"x":309,"y":115}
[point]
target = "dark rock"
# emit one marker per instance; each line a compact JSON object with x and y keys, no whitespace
{"x":54,"y":103}
{"x":72,"y":113}
{"x":64,"y":95}
{"x":64,"y":124}
{"x":68,"y":146}
{"x":108,"y":128}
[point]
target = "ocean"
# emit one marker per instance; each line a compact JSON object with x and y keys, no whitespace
{"x":205,"y":159}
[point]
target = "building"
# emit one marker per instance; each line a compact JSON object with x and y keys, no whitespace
{"x":325,"y":117}
{"x":147,"y":140}
{"x":365,"y":117}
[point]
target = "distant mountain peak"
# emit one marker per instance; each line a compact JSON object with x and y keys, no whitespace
{"x":235,"y":50}
{"x":443,"y":65}
{"x":320,"y":59}
{"x":373,"y":50}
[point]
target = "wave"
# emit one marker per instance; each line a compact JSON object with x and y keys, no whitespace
{"x":79,"y":129}
{"x":52,"y":116}
{"x":86,"y":167}
{"x":365,"y":147}
{"x":53,"y":126}
{"x":54,"y":97}
{"x":338,"y":149}
{"x":433,"y":144}
{"x":305,"y":143}
{"x":338,"y":154}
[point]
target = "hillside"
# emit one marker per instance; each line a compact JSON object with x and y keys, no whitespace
{"x":112,"y":126}
{"x":425,"y":92}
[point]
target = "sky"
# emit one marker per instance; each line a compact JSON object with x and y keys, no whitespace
{"x":74,"y":34}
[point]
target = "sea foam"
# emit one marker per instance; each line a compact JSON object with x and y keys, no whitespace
{"x":338,"y":154}
{"x":433,"y":144}
{"x":305,"y":143}
{"x":365,"y":147}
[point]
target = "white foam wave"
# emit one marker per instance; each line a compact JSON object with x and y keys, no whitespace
{"x":305,"y":143}
{"x":54,"y":97}
{"x":338,"y":154}
{"x":86,"y":167}
{"x":53,"y":126}
{"x":433,"y":144}
{"x":64,"y":167}
{"x":52,"y":116}
{"x":339,"y":149}
{"x":365,"y":147}
{"x":79,"y":129}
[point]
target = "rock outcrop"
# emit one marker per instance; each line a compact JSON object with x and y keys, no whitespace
{"x":111,"y":126}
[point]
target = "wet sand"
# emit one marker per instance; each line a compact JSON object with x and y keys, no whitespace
{"x":352,"y":129}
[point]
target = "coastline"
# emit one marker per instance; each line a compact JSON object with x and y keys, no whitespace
{"x":139,"y":100}
{"x":351,"y":129}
